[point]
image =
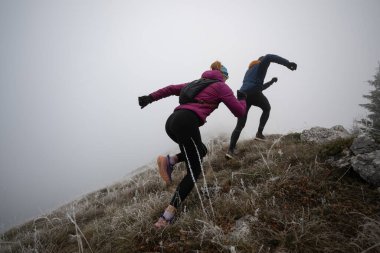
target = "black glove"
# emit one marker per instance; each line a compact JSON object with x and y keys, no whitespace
{"x":274,"y":80}
{"x":145,"y":100}
{"x":241,"y":95}
{"x":292,"y":66}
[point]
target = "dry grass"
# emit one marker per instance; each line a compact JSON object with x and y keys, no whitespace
{"x":277,"y":196}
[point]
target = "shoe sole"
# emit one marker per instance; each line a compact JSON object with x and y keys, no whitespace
{"x":263,"y":140}
{"x":162,"y":169}
{"x":160,"y":224}
{"x":229,"y":157}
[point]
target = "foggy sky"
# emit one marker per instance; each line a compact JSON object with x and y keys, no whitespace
{"x":71,"y":72}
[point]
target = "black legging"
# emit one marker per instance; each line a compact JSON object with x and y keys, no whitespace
{"x":256,"y":99}
{"x":182,"y":127}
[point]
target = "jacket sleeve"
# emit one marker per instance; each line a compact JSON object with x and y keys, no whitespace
{"x":167,"y":91}
{"x":266,"y":85}
{"x":237,"y":107}
{"x":269,"y":58}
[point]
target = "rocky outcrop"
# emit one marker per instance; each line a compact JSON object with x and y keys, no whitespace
{"x":363,"y":156}
{"x":322,"y":135}
{"x":364,"y":144}
{"x":366,"y":158}
{"x":368,"y":166}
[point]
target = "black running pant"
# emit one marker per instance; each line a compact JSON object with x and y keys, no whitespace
{"x":182,"y":127}
{"x":256,"y":99}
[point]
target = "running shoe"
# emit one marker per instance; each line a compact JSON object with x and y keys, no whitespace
{"x":165,"y":168}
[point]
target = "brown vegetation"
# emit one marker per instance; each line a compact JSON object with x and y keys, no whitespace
{"x":277,"y":196}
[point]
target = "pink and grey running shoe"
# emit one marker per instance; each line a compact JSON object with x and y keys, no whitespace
{"x":165,"y":168}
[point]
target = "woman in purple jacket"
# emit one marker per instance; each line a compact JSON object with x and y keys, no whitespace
{"x":182,"y":126}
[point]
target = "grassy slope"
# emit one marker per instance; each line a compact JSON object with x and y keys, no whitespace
{"x":289,"y":199}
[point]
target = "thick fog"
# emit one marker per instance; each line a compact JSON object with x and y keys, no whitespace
{"x":71,"y":72}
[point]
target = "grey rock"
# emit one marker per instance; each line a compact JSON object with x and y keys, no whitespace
{"x":322,"y":135}
{"x":341,"y":161}
{"x":363,"y":155}
{"x":363,"y":144}
{"x":368,"y":166}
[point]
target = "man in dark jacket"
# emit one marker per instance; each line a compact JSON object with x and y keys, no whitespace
{"x":253,"y":85}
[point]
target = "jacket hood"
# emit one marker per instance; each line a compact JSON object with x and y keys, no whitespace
{"x":213,"y":74}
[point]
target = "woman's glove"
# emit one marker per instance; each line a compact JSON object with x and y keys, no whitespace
{"x":274,"y":80}
{"x":145,"y":100}
{"x":292,"y":66}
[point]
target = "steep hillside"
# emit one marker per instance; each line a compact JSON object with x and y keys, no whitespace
{"x":276,"y":196}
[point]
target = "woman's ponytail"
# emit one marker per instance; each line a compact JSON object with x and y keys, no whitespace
{"x":216,"y":65}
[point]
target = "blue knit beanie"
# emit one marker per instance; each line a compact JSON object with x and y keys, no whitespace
{"x":224,"y":71}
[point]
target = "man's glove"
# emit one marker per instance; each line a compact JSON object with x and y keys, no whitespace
{"x":274,"y":80}
{"x":241,"y":95}
{"x":145,"y":100}
{"x":292,"y":66}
